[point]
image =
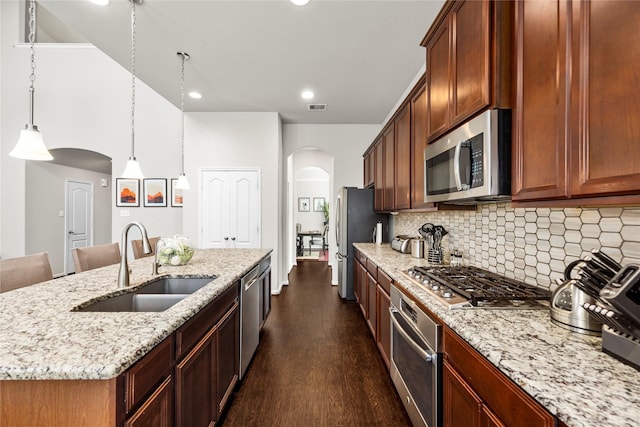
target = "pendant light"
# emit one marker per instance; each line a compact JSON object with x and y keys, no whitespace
{"x":132,"y":170}
{"x":183,"y":183}
{"x":30,"y":145}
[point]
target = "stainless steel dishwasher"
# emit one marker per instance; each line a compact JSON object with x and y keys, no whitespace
{"x":249,"y":317}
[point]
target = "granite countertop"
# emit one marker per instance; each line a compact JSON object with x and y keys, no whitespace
{"x":41,"y":338}
{"x":564,"y":371}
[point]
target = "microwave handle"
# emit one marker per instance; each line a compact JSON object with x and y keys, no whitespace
{"x":456,"y":168}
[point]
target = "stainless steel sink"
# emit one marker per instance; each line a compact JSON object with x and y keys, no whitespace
{"x":155,"y":295}
{"x":174,"y":285}
{"x":134,"y":302}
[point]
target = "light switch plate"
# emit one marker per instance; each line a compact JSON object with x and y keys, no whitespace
{"x":61,"y":213}
{"x":124,"y":212}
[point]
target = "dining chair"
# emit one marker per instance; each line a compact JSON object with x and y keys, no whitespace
{"x":320,"y":241}
{"x":95,"y":256}
{"x":138,"y":250}
{"x":24,"y":271}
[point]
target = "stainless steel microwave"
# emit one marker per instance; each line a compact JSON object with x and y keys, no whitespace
{"x":472,"y":163}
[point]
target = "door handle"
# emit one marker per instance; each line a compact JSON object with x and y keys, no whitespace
{"x":233,"y":238}
{"x":226,"y":238}
{"x":74,"y":233}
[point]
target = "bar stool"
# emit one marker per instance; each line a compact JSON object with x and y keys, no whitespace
{"x":95,"y":256}
{"x":24,"y":271}
{"x":138,"y":251}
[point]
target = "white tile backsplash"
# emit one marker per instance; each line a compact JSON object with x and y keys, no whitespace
{"x":532,"y":244}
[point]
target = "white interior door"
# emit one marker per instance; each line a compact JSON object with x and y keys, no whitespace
{"x":79,"y":223}
{"x":230,"y":209}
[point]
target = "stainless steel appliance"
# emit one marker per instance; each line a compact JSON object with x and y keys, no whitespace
{"x":472,"y":287}
{"x":472,"y":163}
{"x":402,"y":244}
{"x":355,"y":218}
{"x":416,"y":360}
{"x":249,"y":317}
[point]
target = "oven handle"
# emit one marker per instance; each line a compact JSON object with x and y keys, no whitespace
{"x":426,"y":356}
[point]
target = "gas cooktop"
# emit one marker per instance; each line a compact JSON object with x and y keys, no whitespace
{"x":472,"y":287}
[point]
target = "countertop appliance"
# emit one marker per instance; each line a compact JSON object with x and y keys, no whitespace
{"x":472,"y":163}
{"x":566,"y":305}
{"x":416,"y":360}
{"x":402,"y":244}
{"x":249,"y":317}
{"x":472,"y":287}
{"x":355,"y":218}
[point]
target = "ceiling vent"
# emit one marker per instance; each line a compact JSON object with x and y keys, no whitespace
{"x":316,"y":107}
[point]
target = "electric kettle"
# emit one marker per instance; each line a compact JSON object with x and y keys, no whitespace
{"x":566,"y":305}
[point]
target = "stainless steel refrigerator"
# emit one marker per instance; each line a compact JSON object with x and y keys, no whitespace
{"x":355,"y":223}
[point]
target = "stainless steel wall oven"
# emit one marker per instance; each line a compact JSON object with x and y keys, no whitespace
{"x":416,"y":360}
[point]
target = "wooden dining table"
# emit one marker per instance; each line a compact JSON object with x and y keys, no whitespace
{"x":300,"y":240}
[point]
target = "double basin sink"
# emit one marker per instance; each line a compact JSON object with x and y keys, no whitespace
{"x":155,"y":295}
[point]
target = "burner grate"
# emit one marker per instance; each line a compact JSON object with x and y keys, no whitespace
{"x":483,"y":287}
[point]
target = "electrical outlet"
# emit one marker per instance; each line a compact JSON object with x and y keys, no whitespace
{"x":61,"y":213}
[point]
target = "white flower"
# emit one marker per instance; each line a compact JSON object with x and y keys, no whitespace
{"x":175,"y":260}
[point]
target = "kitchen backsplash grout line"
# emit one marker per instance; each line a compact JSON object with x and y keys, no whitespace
{"x":531,"y":244}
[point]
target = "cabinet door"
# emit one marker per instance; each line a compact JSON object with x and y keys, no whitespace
{"x":418,"y":144}
{"x":470,"y":90}
{"x":438,"y":78}
{"x":372,"y":290}
{"x":364,"y":294}
{"x":461,"y":406}
{"x":540,"y":119}
{"x":389,"y":168}
{"x":402,"y":164}
{"x":195,"y":392}
{"x":383,"y":330}
{"x":357,"y":278}
{"x":606,"y":130}
{"x":157,"y":411}
{"x":369,"y":168}
{"x":378,"y":183}
{"x":489,"y":419}
{"x":227,"y":356}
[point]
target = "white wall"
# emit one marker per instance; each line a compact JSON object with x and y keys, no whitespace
{"x":82,"y":100}
{"x":45,"y":228}
{"x":214,"y":140}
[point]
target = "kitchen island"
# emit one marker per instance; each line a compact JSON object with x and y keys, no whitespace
{"x":43,"y":340}
{"x":563,"y":371}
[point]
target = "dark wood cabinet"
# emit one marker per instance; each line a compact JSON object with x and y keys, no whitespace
{"x":372,"y":290}
{"x":469,"y":58}
{"x":575,"y":81}
{"x":157,"y":411}
{"x":418,"y":144}
{"x":383,"y":329}
{"x":402,"y":151}
{"x":227,"y":356}
{"x":195,"y":385}
{"x":471,"y":383}
{"x":388,"y":173}
{"x":378,"y":184}
{"x":265,"y":295}
{"x":369,"y":168}
{"x":461,"y":405}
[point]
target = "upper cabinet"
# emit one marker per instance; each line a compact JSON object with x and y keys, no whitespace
{"x":402,"y":191}
{"x":576,"y":127}
{"x":418,"y":144}
{"x":388,"y":144}
{"x":469,"y":62}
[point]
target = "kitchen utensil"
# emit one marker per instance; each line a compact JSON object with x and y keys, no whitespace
{"x":426,"y":230}
{"x":623,"y":292}
{"x":568,"y":299}
{"x":417,"y":248}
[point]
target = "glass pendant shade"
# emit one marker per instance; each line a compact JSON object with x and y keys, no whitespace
{"x":132,"y":170}
{"x":183,"y":182}
{"x":30,"y":145}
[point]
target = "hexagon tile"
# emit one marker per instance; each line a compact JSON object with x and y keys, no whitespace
{"x":533,"y":245}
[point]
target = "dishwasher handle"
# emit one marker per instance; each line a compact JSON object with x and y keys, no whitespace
{"x":425,"y":355}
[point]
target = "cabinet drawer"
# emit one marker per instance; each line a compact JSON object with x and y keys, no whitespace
{"x":385,"y":281}
{"x":145,"y":375}
{"x":361,"y":257}
{"x":157,"y":410}
{"x":372,"y":269}
{"x":196,"y":327}
{"x":505,"y":399}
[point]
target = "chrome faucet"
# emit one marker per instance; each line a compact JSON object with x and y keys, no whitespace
{"x":156,"y":264}
{"x":123,"y":274}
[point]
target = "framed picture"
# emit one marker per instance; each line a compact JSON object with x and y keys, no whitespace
{"x":304,"y":204}
{"x":127,"y":192}
{"x":176,"y":194}
{"x":155,"y":192}
{"x":318,"y":204}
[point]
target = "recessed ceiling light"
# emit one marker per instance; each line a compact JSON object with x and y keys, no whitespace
{"x":300,"y":2}
{"x":101,"y":2}
{"x":195,"y":95}
{"x":307,"y":94}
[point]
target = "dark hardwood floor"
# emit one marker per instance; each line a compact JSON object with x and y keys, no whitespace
{"x":317,"y":363}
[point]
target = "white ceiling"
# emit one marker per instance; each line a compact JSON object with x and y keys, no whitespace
{"x":357,"y":56}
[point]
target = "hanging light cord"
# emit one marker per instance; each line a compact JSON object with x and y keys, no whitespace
{"x":32,"y":41}
{"x":133,"y":75}
{"x":182,"y":110}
